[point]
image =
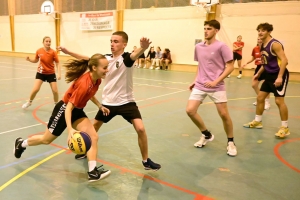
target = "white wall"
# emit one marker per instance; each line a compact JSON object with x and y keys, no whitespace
{"x":83,"y":42}
{"x":5,"y":39}
{"x":173,"y":28}
{"x":242,"y":19}
{"x":30,"y":31}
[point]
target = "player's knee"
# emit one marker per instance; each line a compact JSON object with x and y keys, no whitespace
{"x":46,"y":141}
{"x":97,"y":124}
{"x":140,"y":129}
{"x":190,"y":112}
{"x":279,"y":101}
{"x":94,"y":137}
{"x":260,"y":99}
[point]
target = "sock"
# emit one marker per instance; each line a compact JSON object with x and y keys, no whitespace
{"x":240,"y":72}
{"x":144,"y":161}
{"x":267,"y":100}
{"x":230,"y":140}
{"x":258,"y":118}
{"x":207,"y":134}
{"x":92,"y":165}
{"x":284,"y":123}
{"x":24,"y":144}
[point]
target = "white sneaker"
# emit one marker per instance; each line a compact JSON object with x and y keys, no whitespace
{"x":139,"y":66}
{"x":202,"y":142}
{"x":239,"y":76}
{"x":267,"y":105}
{"x":231,"y":149}
{"x":26,"y":105}
{"x":157,"y":68}
{"x":228,"y":76}
{"x":151,"y":67}
{"x":255,"y":103}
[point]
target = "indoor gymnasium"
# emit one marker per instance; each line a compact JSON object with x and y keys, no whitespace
{"x":149,"y":99}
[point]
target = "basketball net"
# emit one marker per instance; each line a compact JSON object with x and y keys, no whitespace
{"x":203,"y":6}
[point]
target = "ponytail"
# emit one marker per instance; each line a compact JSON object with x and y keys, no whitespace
{"x":76,"y":68}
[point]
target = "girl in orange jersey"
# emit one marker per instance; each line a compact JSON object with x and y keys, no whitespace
{"x":68,"y":113}
{"x":45,"y":71}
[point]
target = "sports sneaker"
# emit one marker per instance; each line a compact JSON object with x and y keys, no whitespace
{"x":80,"y":156}
{"x":145,"y":67}
{"x":228,"y":76}
{"x":18,"y":149}
{"x":255,"y":103}
{"x":139,"y":66}
{"x":26,"y":105}
{"x":98,"y":173}
{"x":231,"y":149}
{"x":151,"y":67}
{"x":253,"y":124}
{"x":151,"y":165}
{"x":202,"y":142}
{"x":157,"y":68}
{"x":267,"y":105}
{"x":239,"y":76}
{"x":283,"y":131}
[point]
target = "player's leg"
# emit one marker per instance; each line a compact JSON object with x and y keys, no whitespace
{"x":195,"y":99}
{"x":94,"y":173}
{"x":53,"y":85}
{"x":36,"y":87}
{"x":239,"y":61}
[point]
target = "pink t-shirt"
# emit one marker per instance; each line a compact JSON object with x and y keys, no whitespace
{"x":212,"y":61}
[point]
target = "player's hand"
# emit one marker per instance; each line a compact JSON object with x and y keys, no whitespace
{"x":244,"y":65}
{"x":191,"y":86}
{"x":145,"y":42}
{"x":105,"y":111}
{"x":278,"y":82}
{"x":71,"y":132}
{"x":62,"y":49}
{"x":210,"y":84}
{"x":27,"y":58}
{"x":58,"y":77}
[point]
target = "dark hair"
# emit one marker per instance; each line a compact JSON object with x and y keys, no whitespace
{"x":214,"y":23}
{"x":123,"y":34}
{"x":265,"y":26}
{"x":159,"y":48}
{"x":75,"y":68}
{"x":46,"y":38}
{"x":167,"y":50}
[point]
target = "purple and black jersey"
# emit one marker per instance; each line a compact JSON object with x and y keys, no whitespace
{"x":270,"y":61}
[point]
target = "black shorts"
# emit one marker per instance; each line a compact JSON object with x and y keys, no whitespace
{"x":46,"y":77}
{"x":262,"y":76}
{"x":269,"y":87}
{"x":237,"y":56}
{"x":128,"y":111}
{"x":57,"y":122}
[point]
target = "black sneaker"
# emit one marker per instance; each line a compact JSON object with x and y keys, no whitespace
{"x":80,"y":156}
{"x":151,"y":165}
{"x":98,"y":173}
{"x":18,"y":149}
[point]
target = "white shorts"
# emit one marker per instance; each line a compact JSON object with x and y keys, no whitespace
{"x":216,"y":97}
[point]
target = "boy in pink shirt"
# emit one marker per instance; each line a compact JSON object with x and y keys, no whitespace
{"x":215,"y":63}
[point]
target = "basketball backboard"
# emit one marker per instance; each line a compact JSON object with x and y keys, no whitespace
{"x":204,"y":4}
{"x":47,"y":8}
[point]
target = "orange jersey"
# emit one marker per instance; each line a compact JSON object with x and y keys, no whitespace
{"x":80,"y":92}
{"x":257,"y":55}
{"x":239,"y":44}
{"x":46,"y":65}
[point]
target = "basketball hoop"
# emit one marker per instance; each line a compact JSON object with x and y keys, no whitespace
{"x":203,"y":6}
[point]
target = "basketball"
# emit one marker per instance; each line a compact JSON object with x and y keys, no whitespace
{"x":80,"y":143}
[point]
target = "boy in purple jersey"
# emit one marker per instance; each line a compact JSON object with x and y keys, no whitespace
{"x":212,"y":56}
{"x":274,"y":64}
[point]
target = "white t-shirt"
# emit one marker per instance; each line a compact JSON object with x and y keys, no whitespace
{"x":118,"y":83}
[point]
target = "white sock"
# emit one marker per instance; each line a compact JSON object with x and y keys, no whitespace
{"x":284,"y":123}
{"x":258,"y":118}
{"x":92,"y":164}
{"x":144,"y":161}
{"x":24,"y":144}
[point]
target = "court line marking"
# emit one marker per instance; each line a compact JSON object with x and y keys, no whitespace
{"x":136,"y":101}
{"x":16,"y":78}
{"x":277,"y":154}
{"x":162,"y":80}
{"x":29,"y":169}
